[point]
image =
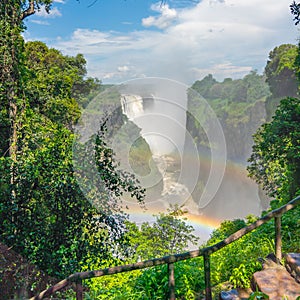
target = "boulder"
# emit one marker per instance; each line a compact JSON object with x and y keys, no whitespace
{"x":292,"y":263}
{"x":277,"y":283}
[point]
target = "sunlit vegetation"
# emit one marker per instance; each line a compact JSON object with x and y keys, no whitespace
{"x":44,"y":214}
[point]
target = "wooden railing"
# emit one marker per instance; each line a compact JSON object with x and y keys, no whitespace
{"x":77,"y":278}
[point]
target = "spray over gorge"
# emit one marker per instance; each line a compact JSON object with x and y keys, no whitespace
{"x":155,"y":140}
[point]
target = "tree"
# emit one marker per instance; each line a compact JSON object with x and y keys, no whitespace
{"x":295,"y":10}
{"x":30,"y":7}
{"x":203,"y":86}
{"x":281,"y":76}
{"x":169,"y":234}
{"x":12,"y":14}
{"x":44,"y":214}
{"x":56,"y":85}
{"x":50,"y":211}
{"x":57,"y":78}
{"x":10,"y":73}
{"x":275,"y":159}
{"x":256,"y":86}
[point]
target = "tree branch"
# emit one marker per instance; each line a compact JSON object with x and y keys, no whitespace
{"x":295,"y":10}
{"x":29,"y":11}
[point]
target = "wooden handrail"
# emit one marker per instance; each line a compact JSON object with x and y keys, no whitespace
{"x":171,"y":259}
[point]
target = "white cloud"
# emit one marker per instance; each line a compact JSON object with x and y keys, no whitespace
{"x":226,"y":38}
{"x":53,"y":13}
{"x":165,"y":19}
{"x":40,"y":22}
{"x":123,"y":69}
{"x":59,"y":1}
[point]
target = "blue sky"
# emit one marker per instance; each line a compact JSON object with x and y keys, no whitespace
{"x":103,"y":15}
{"x":182,"y":40}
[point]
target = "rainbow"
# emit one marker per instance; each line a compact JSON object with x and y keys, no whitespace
{"x":237,"y":197}
{"x":203,"y":225}
{"x":198,"y":220}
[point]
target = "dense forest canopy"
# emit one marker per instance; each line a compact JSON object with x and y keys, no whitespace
{"x":249,"y":89}
{"x":42,"y":206}
{"x":44,"y":214}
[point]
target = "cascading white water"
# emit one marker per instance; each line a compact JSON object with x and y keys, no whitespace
{"x":132,"y":106}
{"x":162,"y":124}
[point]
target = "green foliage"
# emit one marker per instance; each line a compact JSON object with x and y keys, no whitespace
{"x":242,"y":274}
{"x":56,"y":86}
{"x":150,"y":284}
{"x":249,"y":89}
{"x":226,"y":229}
{"x":203,"y":86}
{"x":295,"y":10}
{"x":258,"y":296}
{"x":189,"y":281}
{"x":44,"y":213}
{"x":48,"y":210}
{"x":140,"y":156}
{"x":296,"y":65}
{"x":281,"y":70}
{"x":239,"y":106}
{"x":118,"y":286}
{"x":238,"y":261}
{"x":146,"y":242}
{"x":11,"y":72}
{"x":169,"y":234}
{"x":114,"y":179}
{"x":290,"y":229}
{"x":275,"y":160}
{"x":235,"y":264}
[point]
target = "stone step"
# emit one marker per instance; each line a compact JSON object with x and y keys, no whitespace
{"x":277,"y":283}
{"x":292,"y":264}
{"x":275,"y":280}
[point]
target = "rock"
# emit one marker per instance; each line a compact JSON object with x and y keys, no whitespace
{"x":292,"y":263}
{"x":277,"y":283}
{"x":244,"y":293}
{"x":236,"y":294}
{"x":230,"y":295}
{"x":271,"y":262}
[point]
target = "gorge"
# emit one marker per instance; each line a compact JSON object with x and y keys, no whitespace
{"x":181,"y":148}
{"x":208,"y":185}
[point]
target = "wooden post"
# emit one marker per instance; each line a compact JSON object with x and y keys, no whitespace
{"x":206,"y":258}
{"x":180,"y":256}
{"x":278,"y":238}
{"x":171,"y":281}
{"x":79,"y":290}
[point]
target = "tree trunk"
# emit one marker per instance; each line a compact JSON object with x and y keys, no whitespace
{"x":11,"y":92}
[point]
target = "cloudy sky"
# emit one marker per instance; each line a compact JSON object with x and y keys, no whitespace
{"x":181,"y":39}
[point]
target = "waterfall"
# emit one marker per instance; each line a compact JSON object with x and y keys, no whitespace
{"x":162,"y":121}
{"x":162,"y":125}
{"x":132,"y":106}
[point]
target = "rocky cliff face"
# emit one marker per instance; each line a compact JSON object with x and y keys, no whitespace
{"x":132,"y":106}
{"x":238,"y":128}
